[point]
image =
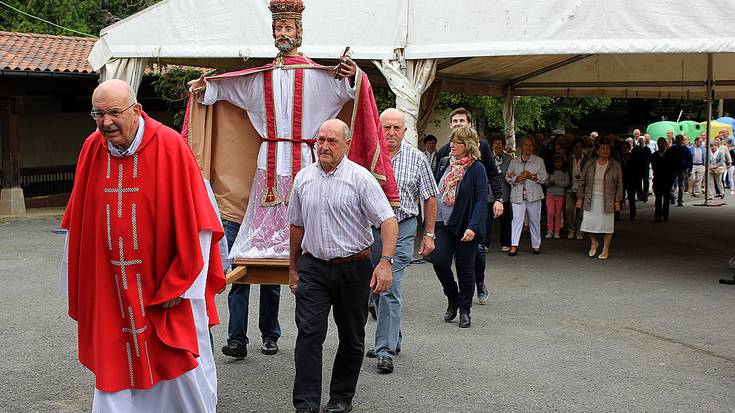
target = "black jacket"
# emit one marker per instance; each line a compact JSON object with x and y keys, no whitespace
{"x":494,"y":177}
{"x":663,"y":171}
{"x":470,"y":207}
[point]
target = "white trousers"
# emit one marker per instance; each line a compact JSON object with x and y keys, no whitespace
{"x":695,"y":183}
{"x":533,"y":210}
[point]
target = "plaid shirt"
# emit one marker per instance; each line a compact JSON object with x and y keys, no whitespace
{"x":414,"y":178}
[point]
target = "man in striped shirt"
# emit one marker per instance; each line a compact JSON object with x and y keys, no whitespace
{"x":415,"y":184}
{"x":333,"y":205}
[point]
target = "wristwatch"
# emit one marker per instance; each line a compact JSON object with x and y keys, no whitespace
{"x":500,"y":200}
{"x":387,"y":258}
{"x":430,"y":235}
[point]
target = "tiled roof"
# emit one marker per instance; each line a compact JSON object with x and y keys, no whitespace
{"x":45,"y":53}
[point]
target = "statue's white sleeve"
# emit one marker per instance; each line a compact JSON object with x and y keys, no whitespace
{"x":237,"y":90}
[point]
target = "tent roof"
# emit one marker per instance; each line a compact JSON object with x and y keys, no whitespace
{"x":206,"y":29}
{"x":621,"y":48}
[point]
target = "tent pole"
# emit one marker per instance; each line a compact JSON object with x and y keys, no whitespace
{"x":709,"y":120}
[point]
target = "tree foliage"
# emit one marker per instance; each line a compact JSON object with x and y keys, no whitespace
{"x":532,"y":113}
{"x":171,"y":86}
{"x":86,"y":16}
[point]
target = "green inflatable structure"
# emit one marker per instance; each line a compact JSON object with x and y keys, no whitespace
{"x":658,"y":129}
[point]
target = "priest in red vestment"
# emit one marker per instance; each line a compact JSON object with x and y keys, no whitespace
{"x":142,"y":262}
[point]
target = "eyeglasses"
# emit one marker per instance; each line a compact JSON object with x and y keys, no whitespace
{"x":100,"y":114}
{"x":457,"y":143}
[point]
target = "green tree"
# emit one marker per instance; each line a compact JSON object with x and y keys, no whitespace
{"x":532,"y":113}
{"x":85,"y":16}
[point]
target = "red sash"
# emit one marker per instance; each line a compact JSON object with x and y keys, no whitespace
{"x":270,"y":196}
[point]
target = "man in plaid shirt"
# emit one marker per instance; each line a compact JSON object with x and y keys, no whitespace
{"x":415,"y":184}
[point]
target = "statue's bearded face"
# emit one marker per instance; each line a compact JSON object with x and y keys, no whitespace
{"x":287,"y":34}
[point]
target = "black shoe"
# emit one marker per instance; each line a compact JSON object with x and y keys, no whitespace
{"x":658,"y":220}
{"x":307,"y":410}
{"x":464,"y":320}
{"x":269,"y":347}
{"x":235,"y":349}
{"x":451,"y":313}
{"x":482,"y":293}
{"x":536,"y":251}
{"x":370,"y":353}
{"x":337,"y":407}
{"x":513,"y":252}
{"x":385,"y":365}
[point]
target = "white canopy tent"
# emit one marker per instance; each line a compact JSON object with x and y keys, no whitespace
{"x":619,"y":48}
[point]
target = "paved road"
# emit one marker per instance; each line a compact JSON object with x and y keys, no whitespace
{"x":648,"y":330}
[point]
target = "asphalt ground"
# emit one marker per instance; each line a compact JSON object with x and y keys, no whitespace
{"x":648,"y":330}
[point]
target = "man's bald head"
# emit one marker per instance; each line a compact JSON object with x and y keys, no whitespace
{"x":333,"y":142}
{"x":116,"y":112}
{"x":393,"y":113}
{"x":394,"y":128}
{"x":117,"y":88}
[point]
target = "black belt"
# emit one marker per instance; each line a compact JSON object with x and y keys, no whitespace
{"x":698,"y":164}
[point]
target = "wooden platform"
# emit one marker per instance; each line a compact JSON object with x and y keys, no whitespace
{"x":258,"y":271}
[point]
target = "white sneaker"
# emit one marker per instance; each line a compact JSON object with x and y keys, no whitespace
{"x":732,"y":192}
{"x":505,"y":249}
{"x":579,"y":235}
{"x":570,"y":235}
{"x":549,"y":235}
{"x":556,"y":236}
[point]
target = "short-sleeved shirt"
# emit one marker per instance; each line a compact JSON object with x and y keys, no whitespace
{"x":415,"y":182}
{"x":337,"y":209}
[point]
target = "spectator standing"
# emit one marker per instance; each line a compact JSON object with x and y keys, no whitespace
{"x":719,"y":162}
{"x":430,"y":150}
{"x":663,"y":178}
{"x":575,"y":163}
{"x":502,"y":161}
{"x":681,"y":160}
{"x":731,"y":168}
{"x":638,"y":168}
{"x":556,"y":193}
{"x":460,"y":222}
{"x":526,"y":174}
{"x":601,"y":190}
{"x":698,"y":157}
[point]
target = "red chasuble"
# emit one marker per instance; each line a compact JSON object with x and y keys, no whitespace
{"x":134,"y":226}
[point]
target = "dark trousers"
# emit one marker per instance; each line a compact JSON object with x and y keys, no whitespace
{"x":505,"y":221}
{"x":238,"y":300}
{"x":680,"y":178}
{"x":346,"y":287}
{"x":663,"y":201}
{"x":449,"y":246}
{"x":646,"y":182}
{"x":630,"y":189}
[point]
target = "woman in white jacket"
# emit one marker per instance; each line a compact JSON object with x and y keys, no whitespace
{"x":525,"y":175}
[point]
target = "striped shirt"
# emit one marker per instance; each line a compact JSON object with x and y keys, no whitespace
{"x":337,"y":209}
{"x":414,"y":179}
